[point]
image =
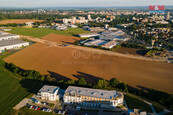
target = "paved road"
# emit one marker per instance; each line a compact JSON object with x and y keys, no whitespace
{"x":21,"y":104}
{"x":103,"y":52}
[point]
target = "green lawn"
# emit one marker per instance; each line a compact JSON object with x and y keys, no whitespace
{"x":40,"y":32}
{"x":13,"y":89}
{"x":4,"y":56}
{"x":135,"y":103}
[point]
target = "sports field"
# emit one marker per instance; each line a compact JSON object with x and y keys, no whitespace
{"x":13,"y":90}
{"x":67,"y":63}
{"x":19,"y":21}
{"x":40,"y":32}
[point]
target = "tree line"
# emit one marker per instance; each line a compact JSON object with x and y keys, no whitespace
{"x":160,"y":97}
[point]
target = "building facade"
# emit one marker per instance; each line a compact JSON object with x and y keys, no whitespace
{"x":93,"y":97}
{"x":49,"y":93}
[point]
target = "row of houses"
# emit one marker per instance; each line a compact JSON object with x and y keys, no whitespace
{"x":10,"y":41}
{"x":82,"y":96}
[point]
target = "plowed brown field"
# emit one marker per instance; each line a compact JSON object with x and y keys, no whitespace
{"x":68,"y":63}
{"x":19,"y":21}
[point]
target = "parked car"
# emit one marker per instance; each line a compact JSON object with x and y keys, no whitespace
{"x":30,"y":107}
{"x":38,"y":108}
{"x":59,"y":112}
{"x":63,"y":113}
{"x":49,"y":110}
{"x":33,"y":107}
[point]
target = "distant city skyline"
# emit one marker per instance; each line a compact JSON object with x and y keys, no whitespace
{"x":81,"y":3}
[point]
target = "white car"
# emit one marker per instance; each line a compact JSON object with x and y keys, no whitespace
{"x":49,"y":110}
{"x":30,"y":107}
{"x":63,"y":112}
{"x":59,"y":112}
{"x":36,"y":108}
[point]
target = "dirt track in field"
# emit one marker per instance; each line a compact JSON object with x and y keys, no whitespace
{"x":69,"y":63}
{"x":19,"y":21}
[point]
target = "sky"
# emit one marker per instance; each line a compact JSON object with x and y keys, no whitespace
{"x":81,"y":3}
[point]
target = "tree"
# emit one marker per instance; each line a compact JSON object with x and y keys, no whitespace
{"x":36,"y":74}
{"x":123,"y":86}
{"x":114,"y":82}
{"x":15,"y":70}
{"x":102,"y":84}
{"x":81,"y":81}
{"x":70,"y":82}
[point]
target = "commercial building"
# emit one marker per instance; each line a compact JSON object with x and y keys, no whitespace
{"x":11,"y":44}
{"x":49,"y":93}
{"x":62,"y":27}
{"x":93,"y":97}
{"x":5,"y":36}
{"x":118,"y":36}
{"x":74,"y":20}
{"x":29,"y":24}
{"x":2,"y":33}
{"x":88,"y":35}
{"x":96,"y":29}
{"x":97,"y":42}
{"x":110,"y":44}
{"x":72,"y":26}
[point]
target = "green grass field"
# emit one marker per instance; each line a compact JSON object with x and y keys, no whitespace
{"x":40,"y":32}
{"x":135,"y":103}
{"x":13,"y":89}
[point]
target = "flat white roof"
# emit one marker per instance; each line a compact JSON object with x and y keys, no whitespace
{"x":7,"y":35}
{"x":49,"y":89}
{"x":11,"y":42}
{"x":92,"y":92}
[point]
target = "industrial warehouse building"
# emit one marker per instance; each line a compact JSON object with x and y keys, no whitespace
{"x":10,"y":41}
{"x":12,"y":44}
{"x":92,"y":97}
{"x":6,"y":36}
{"x":119,"y":36}
{"x":88,"y":35}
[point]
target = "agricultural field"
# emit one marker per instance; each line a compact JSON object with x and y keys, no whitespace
{"x":40,"y":32}
{"x":19,"y":21}
{"x":65,"y":63}
{"x":13,"y":89}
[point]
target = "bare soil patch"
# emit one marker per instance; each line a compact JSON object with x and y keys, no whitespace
{"x":67,"y":63}
{"x":19,"y":21}
{"x":61,"y":38}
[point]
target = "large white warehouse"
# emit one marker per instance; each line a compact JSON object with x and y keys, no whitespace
{"x":8,"y":36}
{"x":11,"y":44}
